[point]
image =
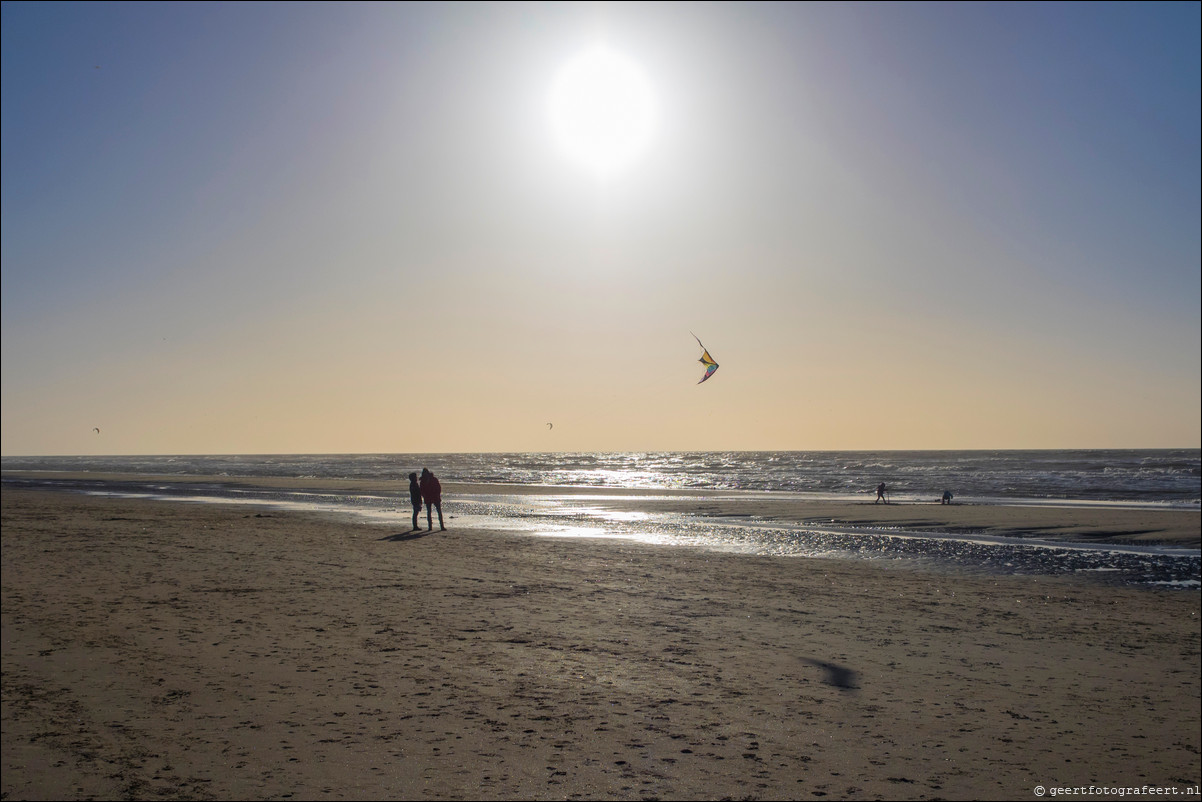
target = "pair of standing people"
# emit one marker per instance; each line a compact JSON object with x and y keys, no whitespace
{"x":429,"y":490}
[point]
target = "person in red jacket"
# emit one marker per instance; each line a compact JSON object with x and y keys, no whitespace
{"x":432,"y":493}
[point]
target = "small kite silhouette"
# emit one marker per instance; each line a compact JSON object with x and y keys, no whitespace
{"x":95,"y":429}
{"x":550,"y":426}
{"x":710,"y":365}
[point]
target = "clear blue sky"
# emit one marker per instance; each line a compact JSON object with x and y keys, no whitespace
{"x":347,"y":228}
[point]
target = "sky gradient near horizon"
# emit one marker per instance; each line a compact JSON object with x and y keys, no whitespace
{"x":316,"y":228}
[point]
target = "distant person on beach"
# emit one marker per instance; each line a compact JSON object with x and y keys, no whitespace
{"x":880,"y":493}
{"x":432,"y":493}
{"x":947,"y":497}
{"x":415,"y":498}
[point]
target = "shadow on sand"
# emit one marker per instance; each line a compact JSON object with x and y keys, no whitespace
{"x":401,"y":537}
{"x":836,"y":675}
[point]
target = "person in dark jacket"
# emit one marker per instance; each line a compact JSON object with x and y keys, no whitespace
{"x":432,"y":493}
{"x":415,"y":498}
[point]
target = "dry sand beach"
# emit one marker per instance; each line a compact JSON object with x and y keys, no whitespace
{"x":171,"y":650}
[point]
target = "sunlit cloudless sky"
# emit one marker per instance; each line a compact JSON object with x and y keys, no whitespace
{"x":306,"y":228}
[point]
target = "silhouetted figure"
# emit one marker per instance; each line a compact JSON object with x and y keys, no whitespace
{"x":432,"y":493}
{"x":415,"y":498}
{"x":880,"y":493}
{"x":947,"y":497}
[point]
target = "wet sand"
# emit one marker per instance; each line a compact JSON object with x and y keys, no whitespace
{"x":1093,"y":524}
{"x":1068,"y":523}
{"x":169,"y":650}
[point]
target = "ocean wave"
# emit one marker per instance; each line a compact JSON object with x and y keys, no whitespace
{"x":1136,"y":476}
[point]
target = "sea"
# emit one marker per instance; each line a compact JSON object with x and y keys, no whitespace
{"x":1148,"y":479}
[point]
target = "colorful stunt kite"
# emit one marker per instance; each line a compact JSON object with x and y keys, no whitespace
{"x":710,"y":365}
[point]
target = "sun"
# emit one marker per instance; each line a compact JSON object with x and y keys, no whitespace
{"x":602,"y":110}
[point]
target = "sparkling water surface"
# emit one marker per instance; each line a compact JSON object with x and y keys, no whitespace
{"x":1159,"y":476}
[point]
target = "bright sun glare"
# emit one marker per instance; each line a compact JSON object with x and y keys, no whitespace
{"x":602,"y":110}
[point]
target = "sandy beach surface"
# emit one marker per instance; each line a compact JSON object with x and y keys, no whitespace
{"x":165,"y":650}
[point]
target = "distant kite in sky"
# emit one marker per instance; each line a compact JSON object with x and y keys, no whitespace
{"x":96,"y":430}
{"x":550,"y":426}
{"x":710,"y":365}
